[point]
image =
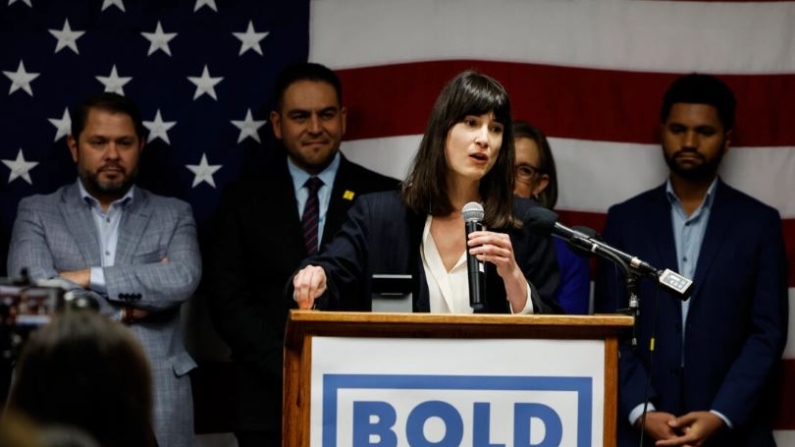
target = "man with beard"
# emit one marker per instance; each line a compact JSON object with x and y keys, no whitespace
{"x":267,"y":225}
{"x":135,"y":252}
{"x":705,"y":363}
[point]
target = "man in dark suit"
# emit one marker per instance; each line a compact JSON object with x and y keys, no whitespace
{"x":260,"y":238}
{"x":708,"y":378}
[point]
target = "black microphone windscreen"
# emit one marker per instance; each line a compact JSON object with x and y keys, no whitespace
{"x":540,"y":220}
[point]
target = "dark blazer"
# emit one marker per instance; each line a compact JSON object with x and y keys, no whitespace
{"x":381,"y":235}
{"x":257,"y":245}
{"x":737,"y":321}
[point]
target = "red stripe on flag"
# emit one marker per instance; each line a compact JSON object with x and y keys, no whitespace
{"x":785,"y":416}
{"x":597,"y":222}
{"x":567,"y":102}
{"x":574,"y":218}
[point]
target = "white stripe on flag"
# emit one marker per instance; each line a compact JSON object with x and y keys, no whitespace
{"x":654,"y":36}
{"x":594,"y":175}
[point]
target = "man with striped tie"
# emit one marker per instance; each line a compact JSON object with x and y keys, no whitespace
{"x":267,"y":225}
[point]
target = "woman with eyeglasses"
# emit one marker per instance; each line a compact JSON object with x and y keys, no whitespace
{"x":536,"y":177}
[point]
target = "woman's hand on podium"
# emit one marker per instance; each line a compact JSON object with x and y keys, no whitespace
{"x":308,"y":284}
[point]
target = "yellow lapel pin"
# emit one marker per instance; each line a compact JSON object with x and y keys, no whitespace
{"x":348,"y":194}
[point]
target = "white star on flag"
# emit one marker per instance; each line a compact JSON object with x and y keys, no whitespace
{"x":66,"y":37}
{"x":205,"y":84}
{"x":64,"y":125}
{"x":210,"y":3}
{"x":248,"y":127}
{"x":27,"y":2}
{"x":159,"y":128}
{"x":20,"y":79}
{"x":159,"y":40}
{"x":203,"y":172}
{"x":113,"y":83}
{"x":117,"y":3}
{"x":250,"y":39}
{"x":20,"y":168}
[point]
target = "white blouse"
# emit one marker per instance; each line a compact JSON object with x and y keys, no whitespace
{"x":449,"y":290}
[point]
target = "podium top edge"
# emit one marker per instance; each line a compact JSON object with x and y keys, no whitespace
{"x":422,"y":319}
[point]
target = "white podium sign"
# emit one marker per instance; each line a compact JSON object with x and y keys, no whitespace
{"x":403,"y":392}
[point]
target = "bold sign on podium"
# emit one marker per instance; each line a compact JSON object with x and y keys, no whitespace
{"x":395,"y":392}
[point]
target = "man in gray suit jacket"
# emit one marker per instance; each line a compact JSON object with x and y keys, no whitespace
{"x":134,"y":251}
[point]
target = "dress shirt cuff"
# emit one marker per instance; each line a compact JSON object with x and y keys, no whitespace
{"x":722,"y":416}
{"x":528,"y":305}
{"x":637,"y":412}
{"x":97,"y":280}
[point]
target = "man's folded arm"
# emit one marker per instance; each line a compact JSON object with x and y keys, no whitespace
{"x":165,"y":283}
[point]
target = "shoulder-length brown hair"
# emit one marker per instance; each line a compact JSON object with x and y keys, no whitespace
{"x":425,"y":188}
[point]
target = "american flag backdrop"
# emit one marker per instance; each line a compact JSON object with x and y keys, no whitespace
{"x":589,"y":72}
{"x":201,"y":70}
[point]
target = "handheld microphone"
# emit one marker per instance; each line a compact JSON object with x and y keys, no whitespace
{"x":543,"y":222}
{"x":473,"y":217}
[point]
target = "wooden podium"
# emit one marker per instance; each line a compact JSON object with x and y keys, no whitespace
{"x":304,"y":327}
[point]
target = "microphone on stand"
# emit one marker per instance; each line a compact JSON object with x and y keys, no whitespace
{"x":476,"y":270}
{"x":543,"y":221}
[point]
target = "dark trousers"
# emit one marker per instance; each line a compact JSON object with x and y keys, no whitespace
{"x":258,"y":438}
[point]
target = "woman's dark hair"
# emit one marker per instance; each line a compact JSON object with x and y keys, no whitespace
{"x":425,"y":188}
{"x":86,"y":371}
{"x":546,"y":162}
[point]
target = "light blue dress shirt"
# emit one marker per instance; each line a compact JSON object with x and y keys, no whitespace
{"x":689,"y":233}
{"x":107,"y":224}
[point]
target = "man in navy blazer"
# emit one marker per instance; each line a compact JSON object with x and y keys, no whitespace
{"x":134,"y":251}
{"x":708,"y":379}
{"x":259,"y":239}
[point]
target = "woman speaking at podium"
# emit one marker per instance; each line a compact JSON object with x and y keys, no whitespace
{"x":466,"y":155}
